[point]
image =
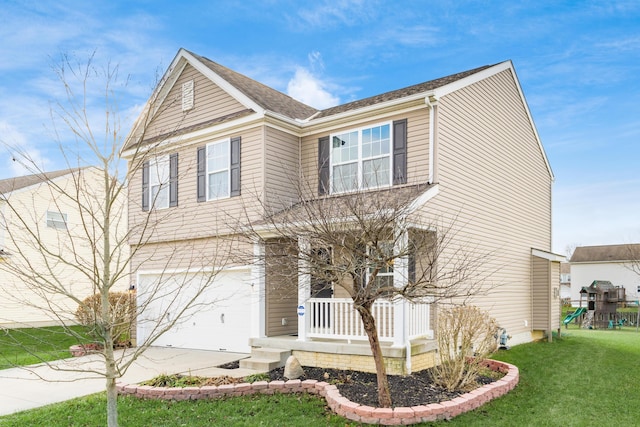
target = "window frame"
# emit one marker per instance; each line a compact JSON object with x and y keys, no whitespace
{"x":154,"y":181}
{"x":56,"y":223}
{"x":360,"y":160}
{"x":226,"y":141}
{"x":389,"y":269}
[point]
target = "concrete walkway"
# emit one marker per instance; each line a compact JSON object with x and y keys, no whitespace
{"x":40,"y":385}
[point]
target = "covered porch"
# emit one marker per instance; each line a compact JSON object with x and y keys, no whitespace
{"x":321,"y":326}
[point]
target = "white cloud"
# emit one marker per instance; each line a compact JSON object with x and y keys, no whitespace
{"x":18,"y":157}
{"x":307,"y":88}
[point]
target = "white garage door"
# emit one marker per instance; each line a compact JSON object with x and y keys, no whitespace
{"x":220,"y":320}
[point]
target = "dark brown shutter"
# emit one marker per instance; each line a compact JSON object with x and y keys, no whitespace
{"x":235,"y":166}
{"x":173,"y":179}
{"x":145,"y":186}
{"x":400,"y":152}
{"x":323,"y":165}
{"x":201,"y":183}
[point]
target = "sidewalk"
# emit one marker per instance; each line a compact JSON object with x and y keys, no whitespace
{"x":40,"y":385}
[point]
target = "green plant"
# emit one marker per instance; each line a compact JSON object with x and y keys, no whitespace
{"x":466,"y":336}
{"x":256,"y":377}
{"x":122,"y":309}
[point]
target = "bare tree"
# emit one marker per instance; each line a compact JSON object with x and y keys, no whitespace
{"x":370,"y":245}
{"x":95,"y":252}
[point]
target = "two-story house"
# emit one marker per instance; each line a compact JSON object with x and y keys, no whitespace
{"x":216,"y":149}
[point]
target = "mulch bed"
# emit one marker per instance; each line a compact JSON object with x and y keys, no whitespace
{"x":361,"y":387}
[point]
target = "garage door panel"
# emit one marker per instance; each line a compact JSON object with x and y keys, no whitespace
{"x":220,"y":320}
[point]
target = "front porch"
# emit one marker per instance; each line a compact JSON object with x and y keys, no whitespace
{"x":419,"y":354}
{"x":315,"y":318}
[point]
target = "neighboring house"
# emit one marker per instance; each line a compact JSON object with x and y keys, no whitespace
{"x":565,"y":281}
{"x":215,"y":140}
{"x":605,"y":263}
{"x":38,"y":223}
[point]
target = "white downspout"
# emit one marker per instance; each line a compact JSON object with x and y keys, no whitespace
{"x":432,"y":102}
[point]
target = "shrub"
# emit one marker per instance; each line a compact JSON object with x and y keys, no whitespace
{"x":122,"y":309}
{"x":466,"y":336}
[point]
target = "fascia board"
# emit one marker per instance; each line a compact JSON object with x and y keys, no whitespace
{"x":550,"y":256}
{"x":222,"y":83}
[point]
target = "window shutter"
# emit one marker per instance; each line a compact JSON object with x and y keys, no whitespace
{"x":145,"y":186}
{"x":173,"y":180}
{"x":323,"y":166}
{"x":202,"y":174}
{"x":400,"y":152}
{"x":235,"y":166}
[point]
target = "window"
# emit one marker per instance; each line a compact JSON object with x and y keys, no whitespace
{"x":382,"y":256}
{"x":160,"y":182}
{"x":159,"y":175}
{"x":57,"y":220}
{"x":218,"y":170}
{"x":361,"y":159}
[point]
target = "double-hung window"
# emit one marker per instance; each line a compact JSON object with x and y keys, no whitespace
{"x":160,"y":182}
{"x":218,"y":176}
{"x":219,"y":170}
{"x":159,"y":175}
{"x":361,"y":158}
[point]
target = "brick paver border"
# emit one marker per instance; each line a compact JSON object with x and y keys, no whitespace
{"x":341,"y":405}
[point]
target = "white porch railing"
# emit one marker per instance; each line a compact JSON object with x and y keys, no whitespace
{"x":336,"y":318}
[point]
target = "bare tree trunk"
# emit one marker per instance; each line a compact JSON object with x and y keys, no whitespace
{"x":112,"y":401}
{"x":369,"y":324}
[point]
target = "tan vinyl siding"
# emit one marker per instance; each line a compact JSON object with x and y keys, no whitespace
{"x":192,"y":219}
{"x":281,"y":271}
{"x":417,"y":147}
{"x":495,"y":186}
{"x":191,"y":255}
{"x":540,"y":273}
{"x":555,"y":295}
{"x":210,"y":102}
{"x":281,"y":169}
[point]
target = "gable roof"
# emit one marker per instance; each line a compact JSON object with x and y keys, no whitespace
{"x":606,"y":253}
{"x":268,"y":98}
{"x":260,"y":99}
{"x":399,"y":93}
{"x":12,"y":184}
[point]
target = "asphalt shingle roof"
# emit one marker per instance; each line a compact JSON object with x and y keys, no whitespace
{"x":606,"y":253}
{"x":11,"y":184}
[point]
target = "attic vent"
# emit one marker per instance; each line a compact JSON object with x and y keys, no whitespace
{"x":187,"y":95}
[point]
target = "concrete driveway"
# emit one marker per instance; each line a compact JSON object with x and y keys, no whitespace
{"x":40,"y":385}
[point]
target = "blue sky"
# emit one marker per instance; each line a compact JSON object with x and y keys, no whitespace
{"x":578,"y":63}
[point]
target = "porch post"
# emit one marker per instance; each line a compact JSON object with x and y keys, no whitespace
{"x":258,"y":312}
{"x":304,"y":287}
{"x":400,"y":277}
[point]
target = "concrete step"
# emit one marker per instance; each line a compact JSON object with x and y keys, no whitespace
{"x":258,"y":364}
{"x":271,"y":353}
{"x":265,"y":359}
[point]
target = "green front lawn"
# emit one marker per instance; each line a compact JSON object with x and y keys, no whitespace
{"x":587,"y":377}
{"x":27,"y":346}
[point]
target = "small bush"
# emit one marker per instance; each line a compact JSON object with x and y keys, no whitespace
{"x":122,"y":309}
{"x":257,"y":377}
{"x":177,"y":380}
{"x":466,"y":336}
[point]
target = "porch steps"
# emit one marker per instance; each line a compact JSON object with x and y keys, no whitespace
{"x":265,"y":359}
